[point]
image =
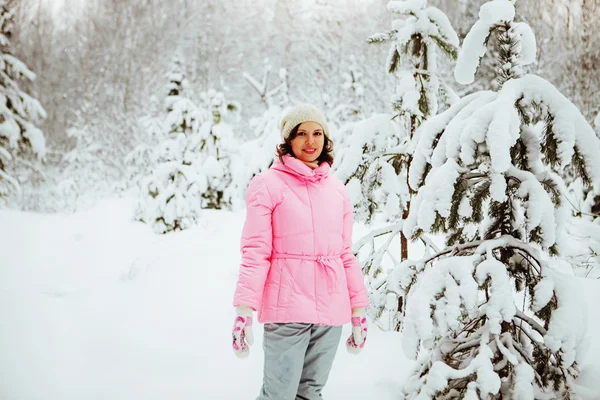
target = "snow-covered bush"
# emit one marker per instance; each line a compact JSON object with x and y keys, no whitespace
{"x":173,"y":193}
{"x":171,"y":196}
{"x":216,"y":144}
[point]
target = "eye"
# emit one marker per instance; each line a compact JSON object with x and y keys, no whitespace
{"x":301,"y":133}
{"x":318,"y":133}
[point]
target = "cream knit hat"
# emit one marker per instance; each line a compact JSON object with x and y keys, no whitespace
{"x":302,"y":113}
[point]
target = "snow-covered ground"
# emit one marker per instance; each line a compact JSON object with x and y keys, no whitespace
{"x":95,"y":306}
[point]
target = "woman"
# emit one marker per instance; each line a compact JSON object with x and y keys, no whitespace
{"x":298,"y":270}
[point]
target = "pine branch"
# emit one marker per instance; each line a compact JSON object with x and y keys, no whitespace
{"x":481,"y":194}
{"x":549,"y":146}
{"x":455,"y":237}
{"x":449,"y":50}
{"x":522,"y":111}
{"x":423,"y":102}
{"x":426,"y":171}
{"x":579,"y":165}
{"x":536,"y":235}
{"x":552,"y":187}
{"x":461,"y":186}
{"x":518,"y":155}
{"x":501,"y":212}
{"x":417,"y":234}
{"x":523,"y":354}
{"x":428,"y":165}
{"x":439,"y":224}
{"x":380,"y":38}
{"x":394,"y":62}
{"x":545,"y":314}
{"x":421,"y":47}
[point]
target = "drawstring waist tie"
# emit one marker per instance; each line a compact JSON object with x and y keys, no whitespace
{"x":322,"y":260}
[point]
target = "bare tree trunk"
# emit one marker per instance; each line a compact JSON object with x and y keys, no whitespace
{"x":404,"y":239}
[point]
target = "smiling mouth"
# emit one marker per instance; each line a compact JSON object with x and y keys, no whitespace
{"x":310,"y":151}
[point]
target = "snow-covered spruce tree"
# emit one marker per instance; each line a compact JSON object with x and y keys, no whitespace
{"x":19,"y":112}
{"x":216,"y":144}
{"x":492,"y":316}
{"x":416,"y":38}
{"x":141,"y":161}
{"x":171,"y":197}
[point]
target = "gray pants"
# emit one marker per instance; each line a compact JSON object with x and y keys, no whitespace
{"x":298,"y":358}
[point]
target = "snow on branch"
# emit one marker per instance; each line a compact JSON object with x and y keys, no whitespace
{"x":4,"y":153}
{"x":444,"y":26}
{"x":17,"y":67}
{"x":464,"y":124}
{"x":528,"y":44}
{"x":451,"y":289}
{"x":406,"y":7}
{"x":13,"y":182}
{"x":261,"y":88}
{"x":570,"y":128}
{"x":430,"y":132}
{"x":474,"y":46}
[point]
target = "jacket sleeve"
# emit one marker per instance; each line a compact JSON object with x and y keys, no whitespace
{"x":255,"y":245}
{"x":354,"y":275}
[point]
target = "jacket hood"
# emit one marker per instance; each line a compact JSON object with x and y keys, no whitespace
{"x":293,"y":166}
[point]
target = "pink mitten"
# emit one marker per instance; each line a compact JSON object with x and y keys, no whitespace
{"x":357,"y":339}
{"x":242,"y":331}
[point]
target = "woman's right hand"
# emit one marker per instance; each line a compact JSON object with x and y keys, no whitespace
{"x":242,"y":334}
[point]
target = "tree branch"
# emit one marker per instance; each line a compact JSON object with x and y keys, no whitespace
{"x":533,"y":323}
{"x":376,"y":233}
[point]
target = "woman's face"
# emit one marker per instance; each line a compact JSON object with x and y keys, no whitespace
{"x":309,"y":141}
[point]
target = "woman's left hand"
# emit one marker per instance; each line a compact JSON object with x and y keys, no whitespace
{"x":357,"y":339}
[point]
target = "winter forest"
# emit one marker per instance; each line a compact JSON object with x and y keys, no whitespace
{"x":467,"y":133}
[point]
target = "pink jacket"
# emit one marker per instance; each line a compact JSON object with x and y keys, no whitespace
{"x":297,"y":263}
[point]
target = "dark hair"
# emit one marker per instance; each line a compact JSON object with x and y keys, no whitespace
{"x":286,"y":147}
